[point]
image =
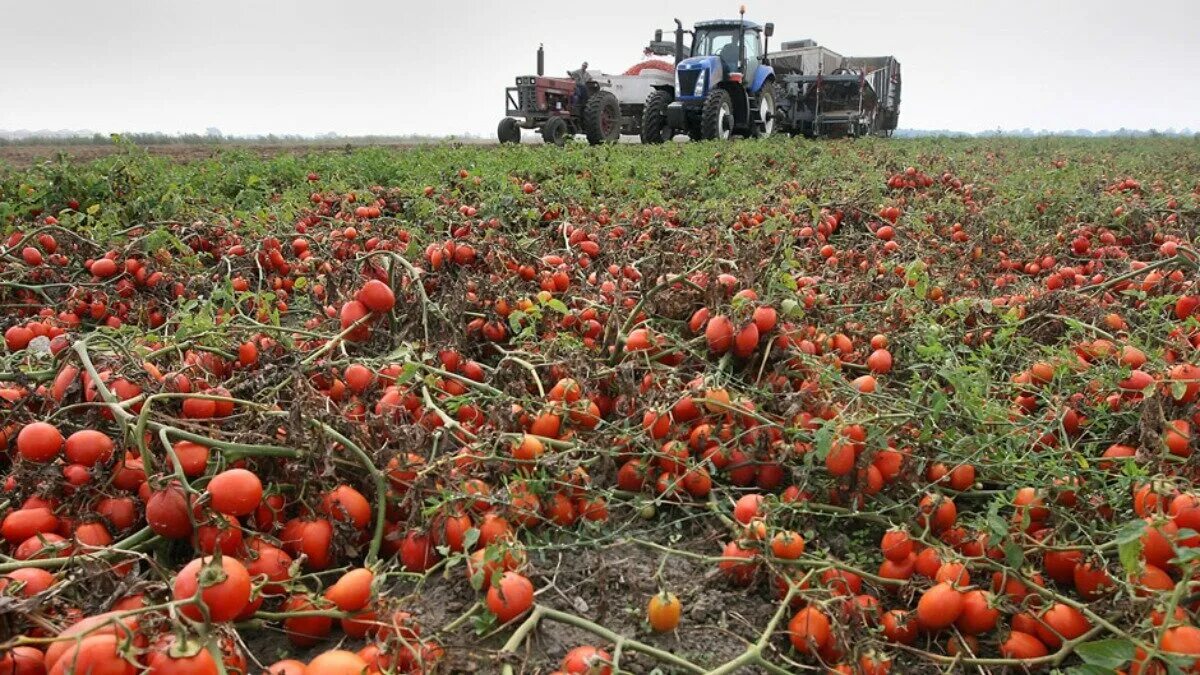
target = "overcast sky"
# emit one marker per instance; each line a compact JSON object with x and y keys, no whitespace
{"x":439,"y":67}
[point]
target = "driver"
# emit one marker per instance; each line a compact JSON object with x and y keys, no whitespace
{"x":581,"y":77}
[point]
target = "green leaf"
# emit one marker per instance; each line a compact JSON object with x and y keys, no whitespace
{"x":1112,"y":653}
{"x":1013,"y":555}
{"x":469,"y":538}
{"x":1089,"y":669}
{"x":556,"y":305}
{"x":93,"y":209}
{"x":1130,"y":553}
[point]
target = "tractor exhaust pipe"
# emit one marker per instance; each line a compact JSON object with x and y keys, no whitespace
{"x":541,"y":60}
{"x":742,"y":39}
{"x":678,"y":41}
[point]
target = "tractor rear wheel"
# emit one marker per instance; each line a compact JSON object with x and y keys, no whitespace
{"x":509,"y":131}
{"x":555,"y":131}
{"x":602,"y":118}
{"x":716,"y":120}
{"x":654,"y":118}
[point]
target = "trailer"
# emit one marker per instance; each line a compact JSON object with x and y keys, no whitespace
{"x":827,"y":94}
{"x":612,"y":105}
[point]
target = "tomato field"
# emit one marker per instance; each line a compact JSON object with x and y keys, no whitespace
{"x":770,"y":406}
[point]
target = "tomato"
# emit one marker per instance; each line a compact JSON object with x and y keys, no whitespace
{"x":88,"y":447}
{"x":269,"y":561}
{"x":664,"y":612}
{"x":939,"y":607}
{"x":809,"y":630}
{"x":896,"y":545}
{"x":979,"y":615}
{"x":306,"y":630}
{"x":880,"y":362}
{"x":39,"y":442}
{"x":235,"y":492}
{"x":346,"y":504}
{"x":377,"y":296}
{"x":719,"y":334}
{"x":222,"y":591}
{"x":23,"y":660}
{"x":417,"y":552}
{"x":193,"y":457}
{"x":168,"y":512}
{"x":32,"y":580}
{"x":747,"y":508}
{"x":96,"y":654}
{"x":335,"y":662}
{"x":352,"y":590}
{"x":287,"y":667}
{"x":1060,"y":622}
{"x":24,"y":523}
{"x":1182,"y":640}
{"x":787,"y":545}
{"x":510,"y":597}
{"x":175,"y":657}
{"x":1022,"y":646}
{"x":587,"y":660}
{"x":739,"y":572}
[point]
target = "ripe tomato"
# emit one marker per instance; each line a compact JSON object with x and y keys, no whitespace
{"x":88,"y":447}
{"x":809,"y":630}
{"x":96,"y":654}
{"x":335,"y":662}
{"x":510,"y":597}
{"x":664,"y":611}
{"x":39,"y":442}
{"x":235,"y":492}
{"x":1022,"y":646}
{"x":223,"y":590}
{"x":587,"y":660}
{"x":939,"y":607}
{"x":174,"y":657}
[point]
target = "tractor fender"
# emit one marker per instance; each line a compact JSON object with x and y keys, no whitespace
{"x":761,"y":75}
{"x":740,"y":99}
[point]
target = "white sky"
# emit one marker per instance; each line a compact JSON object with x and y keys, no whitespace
{"x":439,"y":67}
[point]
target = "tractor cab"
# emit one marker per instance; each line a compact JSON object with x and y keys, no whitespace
{"x":724,"y":39}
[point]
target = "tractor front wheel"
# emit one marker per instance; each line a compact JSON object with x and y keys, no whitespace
{"x":716,"y":119}
{"x":509,"y":131}
{"x":765,"y":124}
{"x":602,"y":118}
{"x":555,"y":131}
{"x":655,"y":128}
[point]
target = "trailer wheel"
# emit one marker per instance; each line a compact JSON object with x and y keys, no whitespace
{"x":765,"y":124}
{"x":555,"y":131}
{"x":602,"y":118}
{"x":654,"y":118}
{"x":509,"y":131}
{"x":716,"y":120}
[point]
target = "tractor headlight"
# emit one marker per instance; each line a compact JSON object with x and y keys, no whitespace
{"x":701,"y":83}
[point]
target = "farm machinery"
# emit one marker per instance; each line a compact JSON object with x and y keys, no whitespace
{"x":731,"y":83}
{"x":598,"y":105}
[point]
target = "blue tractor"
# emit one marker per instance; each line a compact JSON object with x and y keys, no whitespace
{"x":723,"y":85}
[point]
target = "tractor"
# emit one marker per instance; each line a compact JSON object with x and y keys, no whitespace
{"x":723,"y":84}
{"x":610,"y":106}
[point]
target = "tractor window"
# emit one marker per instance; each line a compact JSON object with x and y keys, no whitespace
{"x":711,"y":41}
{"x":752,"y":47}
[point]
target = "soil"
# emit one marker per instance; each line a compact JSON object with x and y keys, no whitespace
{"x":608,"y":584}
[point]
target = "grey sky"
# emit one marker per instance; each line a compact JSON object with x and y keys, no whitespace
{"x":437,"y":67}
